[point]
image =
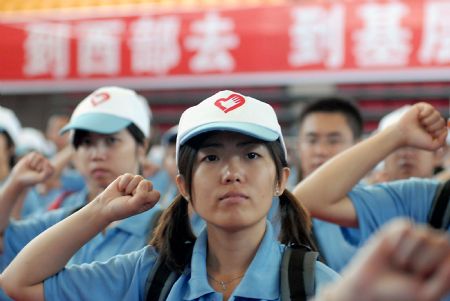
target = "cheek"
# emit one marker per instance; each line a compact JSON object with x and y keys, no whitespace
{"x":80,"y":161}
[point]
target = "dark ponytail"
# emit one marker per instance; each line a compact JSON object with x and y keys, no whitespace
{"x":173,"y":237}
{"x":295,"y":222}
{"x":294,"y":218}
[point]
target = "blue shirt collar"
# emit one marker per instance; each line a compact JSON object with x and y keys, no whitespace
{"x":263,"y":270}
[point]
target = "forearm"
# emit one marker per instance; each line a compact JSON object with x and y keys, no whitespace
{"x":331,"y":182}
{"x":16,"y":211}
{"x":10,"y":193}
{"x":49,"y":252}
{"x":61,"y":160}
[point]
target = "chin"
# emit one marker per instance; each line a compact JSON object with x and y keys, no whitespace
{"x":103,"y":183}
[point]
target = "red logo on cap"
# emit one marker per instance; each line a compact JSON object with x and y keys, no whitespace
{"x":230,"y":103}
{"x":99,"y":98}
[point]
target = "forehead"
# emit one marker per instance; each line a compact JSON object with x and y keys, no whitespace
{"x":226,"y":137}
{"x":322,"y":122}
{"x":122,"y":133}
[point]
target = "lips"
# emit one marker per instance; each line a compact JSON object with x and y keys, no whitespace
{"x":233,"y":197}
{"x":99,"y":171}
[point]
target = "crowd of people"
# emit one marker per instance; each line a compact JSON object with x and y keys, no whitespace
{"x":227,"y":213}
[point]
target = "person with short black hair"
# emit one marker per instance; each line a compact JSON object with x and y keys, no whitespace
{"x":326,"y":127}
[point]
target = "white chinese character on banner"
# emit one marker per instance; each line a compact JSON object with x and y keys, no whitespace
{"x":47,"y":49}
{"x":99,"y":47}
{"x":317,"y":36}
{"x":154,"y":44}
{"x":212,"y":38}
{"x":436,"y":34}
{"x":382,"y":41}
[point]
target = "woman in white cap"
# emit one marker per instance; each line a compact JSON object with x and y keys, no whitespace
{"x":231,"y":163}
{"x":109,"y":128}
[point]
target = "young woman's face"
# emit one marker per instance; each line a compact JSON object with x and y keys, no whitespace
{"x":233,"y":181}
{"x":102,"y":158}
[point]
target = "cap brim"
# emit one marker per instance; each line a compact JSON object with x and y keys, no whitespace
{"x":251,"y":130}
{"x":98,"y":123}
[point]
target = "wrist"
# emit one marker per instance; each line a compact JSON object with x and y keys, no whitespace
{"x":393,"y":137}
{"x":97,"y":212}
{"x":15,"y":186}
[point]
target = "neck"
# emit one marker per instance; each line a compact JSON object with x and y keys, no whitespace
{"x":230,"y":253}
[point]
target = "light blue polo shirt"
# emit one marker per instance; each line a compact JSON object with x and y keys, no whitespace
{"x":37,"y":203}
{"x":377,"y":204}
{"x":123,"y":277}
{"x":19,"y":233}
{"x":333,"y":245}
{"x":127,"y":235}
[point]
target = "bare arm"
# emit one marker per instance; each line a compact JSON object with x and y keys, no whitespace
{"x":401,"y":262}
{"x":58,"y":163}
{"x":325,"y":191}
{"x":30,"y":170}
{"x":23,"y":278}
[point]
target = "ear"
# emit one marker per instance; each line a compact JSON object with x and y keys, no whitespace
{"x":181,"y":185}
{"x":284,"y":176}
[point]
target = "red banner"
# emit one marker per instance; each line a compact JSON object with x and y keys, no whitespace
{"x":373,"y":41}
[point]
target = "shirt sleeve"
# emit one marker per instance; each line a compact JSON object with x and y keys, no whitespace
{"x":122,"y":277}
{"x":19,"y":233}
{"x":377,"y":204}
{"x":324,"y":275}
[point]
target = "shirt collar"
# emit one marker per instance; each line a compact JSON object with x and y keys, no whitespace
{"x":263,"y":270}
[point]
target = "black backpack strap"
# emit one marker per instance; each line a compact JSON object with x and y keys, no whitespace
{"x":298,"y":274}
{"x":159,"y":281}
{"x":439,"y":215}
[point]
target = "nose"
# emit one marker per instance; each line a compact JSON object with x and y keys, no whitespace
{"x":321,"y":148}
{"x":407,"y":152}
{"x":232,"y":171}
{"x":98,"y":150}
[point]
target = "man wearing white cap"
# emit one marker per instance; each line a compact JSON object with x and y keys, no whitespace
{"x":109,"y":128}
{"x":405,"y":162}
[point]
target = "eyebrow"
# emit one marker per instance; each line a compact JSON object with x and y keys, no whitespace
{"x":332,"y":134}
{"x":218,"y":144}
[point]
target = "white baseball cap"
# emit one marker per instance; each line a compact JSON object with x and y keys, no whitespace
{"x":109,"y":110}
{"x":230,"y":111}
{"x":31,"y":139}
{"x":10,"y":124}
{"x":393,"y":117}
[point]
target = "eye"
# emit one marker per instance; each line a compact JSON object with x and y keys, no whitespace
{"x":86,"y":141}
{"x":253,"y":155}
{"x":210,"y":158}
{"x":110,"y":140}
{"x":334,"y":140}
{"x":311,"y":140}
